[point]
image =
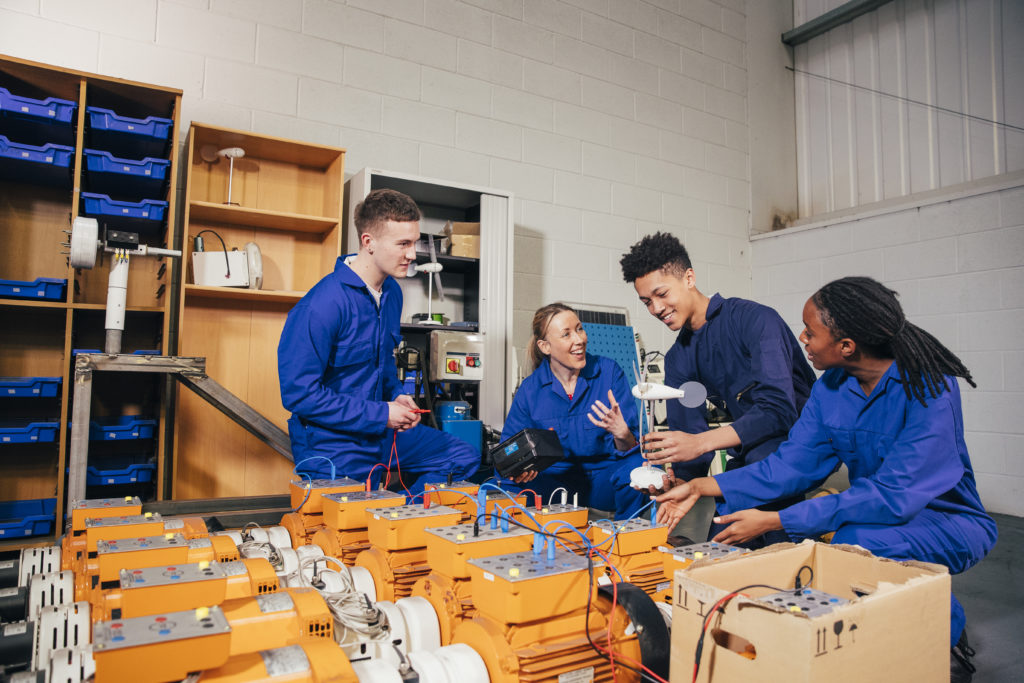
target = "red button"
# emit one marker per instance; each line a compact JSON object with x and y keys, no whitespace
{"x":116,"y":625}
{"x":172,"y":569}
{"x":137,"y":571}
{"x":161,"y":619}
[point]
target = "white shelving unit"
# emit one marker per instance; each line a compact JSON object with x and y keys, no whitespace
{"x":475,"y":290}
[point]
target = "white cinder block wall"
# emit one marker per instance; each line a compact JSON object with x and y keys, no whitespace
{"x":959,"y":268}
{"x":608,"y":119}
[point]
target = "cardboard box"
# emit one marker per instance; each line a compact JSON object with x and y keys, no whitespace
{"x":895,"y":626}
{"x":463,"y":239}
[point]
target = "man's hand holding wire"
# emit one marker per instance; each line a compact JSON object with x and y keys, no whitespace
{"x":401,"y":415}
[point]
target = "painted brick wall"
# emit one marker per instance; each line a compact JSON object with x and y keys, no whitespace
{"x":608,"y":119}
{"x":959,"y":268}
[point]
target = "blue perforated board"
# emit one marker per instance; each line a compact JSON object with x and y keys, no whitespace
{"x":618,"y":343}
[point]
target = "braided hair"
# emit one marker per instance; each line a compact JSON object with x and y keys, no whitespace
{"x":867,"y":312}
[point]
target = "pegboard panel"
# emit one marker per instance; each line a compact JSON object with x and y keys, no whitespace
{"x":618,"y":343}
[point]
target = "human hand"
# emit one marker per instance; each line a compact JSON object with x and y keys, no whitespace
{"x":746,"y":524}
{"x":675,"y":503}
{"x":523,"y":477}
{"x":407,"y":401}
{"x":400,"y":416}
{"x":664,"y":447}
{"x":668,"y":481}
{"x":610,"y":418}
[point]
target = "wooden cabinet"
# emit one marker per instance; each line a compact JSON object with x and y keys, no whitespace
{"x":286,"y":196}
{"x":477,"y":290}
{"x":41,"y":192}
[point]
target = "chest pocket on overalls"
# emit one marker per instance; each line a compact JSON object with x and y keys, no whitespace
{"x":844,"y":443}
{"x":346,"y":354}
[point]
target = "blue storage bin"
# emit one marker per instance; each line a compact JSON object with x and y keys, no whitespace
{"x":47,"y":164}
{"x":116,"y":176}
{"x":122,"y":428}
{"x":150,"y":210}
{"x":27,"y":119}
{"x":125,"y":135}
{"x":46,"y":288}
{"x":41,"y":387}
{"x":112,"y":470}
{"x":26,"y":431}
{"x":20,"y":518}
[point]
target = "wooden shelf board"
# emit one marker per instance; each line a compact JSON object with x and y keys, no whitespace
{"x":30,"y":303}
{"x":241,"y":294}
{"x":129,"y":309}
{"x":259,"y":218}
{"x":267,"y":146}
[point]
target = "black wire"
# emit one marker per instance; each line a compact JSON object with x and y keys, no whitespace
{"x":800,"y":571}
{"x":936,"y":107}
{"x":223,"y":246}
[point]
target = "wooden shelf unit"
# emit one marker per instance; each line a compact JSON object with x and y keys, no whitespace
{"x":286,"y":196}
{"x":36,"y":337}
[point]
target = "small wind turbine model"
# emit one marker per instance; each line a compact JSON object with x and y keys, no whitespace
{"x":690,"y":394}
{"x":433,"y":270}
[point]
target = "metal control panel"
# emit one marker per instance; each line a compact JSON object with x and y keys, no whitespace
{"x":105,"y":522}
{"x":173,"y":574}
{"x":700,"y":551}
{"x":102,"y":503}
{"x":125,"y":633}
{"x":456,"y":356}
{"x":324,"y":483}
{"x":461,"y":534}
{"x":415,"y":512}
{"x":524,"y":566}
{"x":362,"y":496}
{"x":630,"y":526}
{"x":129,"y":545}
{"x":809,"y":601}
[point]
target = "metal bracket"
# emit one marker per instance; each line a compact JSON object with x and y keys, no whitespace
{"x":189,"y":371}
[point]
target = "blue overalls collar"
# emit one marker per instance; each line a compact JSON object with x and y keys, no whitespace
{"x":349,"y":277}
{"x":588,"y":373}
{"x":715,"y":304}
{"x":892,"y":374}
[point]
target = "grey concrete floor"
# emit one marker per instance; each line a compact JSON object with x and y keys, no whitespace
{"x":992,"y":593}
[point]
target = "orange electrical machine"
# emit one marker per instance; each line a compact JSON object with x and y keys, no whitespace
{"x":573,"y":516}
{"x":397,"y":556}
{"x":344,"y":534}
{"x":97,"y":529}
{"x":461,"y":495}
{"x":306,"y":500}
{"x":311,"y":661}
{"x":171,"y":645}
{"x":632,"y":547}
{"x":170,"y":588}
{"x":95,"y":508}
{"x":148,"y":551}
{"x":447,"y":587}
{"x":533,"y":623}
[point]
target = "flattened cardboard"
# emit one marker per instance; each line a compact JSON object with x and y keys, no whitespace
{"x":896,"y":626}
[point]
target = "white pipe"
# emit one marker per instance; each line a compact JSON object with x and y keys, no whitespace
{"x":117,"y":296}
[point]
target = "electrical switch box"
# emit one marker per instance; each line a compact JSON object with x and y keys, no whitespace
{"x":456,"y":356}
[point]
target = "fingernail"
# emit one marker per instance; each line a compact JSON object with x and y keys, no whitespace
{"x":717,"y":520}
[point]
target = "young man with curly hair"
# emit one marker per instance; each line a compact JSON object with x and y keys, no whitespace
{"x":742,"y":351}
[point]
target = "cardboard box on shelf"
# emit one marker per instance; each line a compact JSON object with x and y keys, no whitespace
{"x":463,"y":238}
{"x":895,"y":625}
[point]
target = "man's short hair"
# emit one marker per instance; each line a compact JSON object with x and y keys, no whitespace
{"x":660,"y":251}
{"x":381,"y":206}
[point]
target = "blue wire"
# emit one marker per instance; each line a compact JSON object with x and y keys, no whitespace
{"x":308,"y":488}
{"x":334,"y":471}
{"x":616,"y":529}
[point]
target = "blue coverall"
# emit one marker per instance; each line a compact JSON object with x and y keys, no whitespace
{"x":748,"y":359}
{"x":337,"y":370}
{"x":593,"y":467}
{"x":912,"y":494}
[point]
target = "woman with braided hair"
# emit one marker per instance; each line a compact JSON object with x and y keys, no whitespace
{"x":888,"y":407}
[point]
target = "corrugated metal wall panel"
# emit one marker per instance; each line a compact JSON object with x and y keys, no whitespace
{"x":876,"y":138}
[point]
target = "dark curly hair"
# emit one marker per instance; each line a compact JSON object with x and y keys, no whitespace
{"x":381,"y":206}
{"x":868,"y":312}
{"x":660,"y":251}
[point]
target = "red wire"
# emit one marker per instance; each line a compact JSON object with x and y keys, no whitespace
{"x":398,"y":465}
{"x":536,"y":498}
{"x":707,"y":623}
{"x":368,"y":476}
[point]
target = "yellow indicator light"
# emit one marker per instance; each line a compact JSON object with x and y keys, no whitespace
{"x":441,"y":486}
{"x":168,"y":536}
{"x":460,"y":537}
{"x":204,"y":564}
{"x":148,"y":515}
{"x":127,"y":499}
{"x":697,"y":555}
{"x":513,"y":571}
{"x":544,"y":511}
{"x":795,"y":608}
{"x":344,"y":499}
{"x":202,"y":613}
{"x":394,"y":515}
